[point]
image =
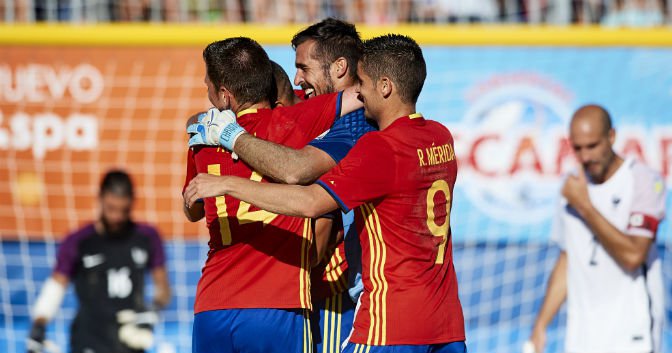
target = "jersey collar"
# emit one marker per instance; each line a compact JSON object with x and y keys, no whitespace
{"x":246,"y":111}
{"x":414,"y":119}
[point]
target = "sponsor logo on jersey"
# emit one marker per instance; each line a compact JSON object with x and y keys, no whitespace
{"x":322,"y":135}
{"x":615,"y":200}
{"x":139,"y":256}
{"x":636,"y":220}
{"x":90,"y":261}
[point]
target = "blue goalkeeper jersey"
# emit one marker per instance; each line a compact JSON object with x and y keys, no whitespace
{"x":337,"y":142}
{"x":345,"y":132}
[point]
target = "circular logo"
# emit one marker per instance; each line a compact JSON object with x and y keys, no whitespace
{"x":636,"y":220}
{"x":512,"y":147}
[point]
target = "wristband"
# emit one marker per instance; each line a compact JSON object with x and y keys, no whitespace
{"x":228,"y":136}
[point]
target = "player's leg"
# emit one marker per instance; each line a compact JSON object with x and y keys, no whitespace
{"x":96,"y":334}
{"x":212,"y":331}
{"x":272,"y":330}
{"x":331,"y":322}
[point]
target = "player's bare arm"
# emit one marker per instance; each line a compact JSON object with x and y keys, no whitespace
{"x":324,"y":236}
{"x":556,"y":293}
{"x":195,"y":212}
{"x":293,"y":200}
{"x":350,"y":100}
{"x":162,"y":287}
{"x":288,"y":165}
{"x":282,"y":163}
{"x":629,"y":251}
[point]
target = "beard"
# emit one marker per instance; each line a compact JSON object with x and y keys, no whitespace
{"x":597,"y":170}
{"x":327,"y":86}
{"x":116,"y":230}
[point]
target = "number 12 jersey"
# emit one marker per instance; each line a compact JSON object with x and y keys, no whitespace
{"x":258,"y":259}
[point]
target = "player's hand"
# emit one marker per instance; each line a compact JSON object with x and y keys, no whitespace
{"x":215,"y":128}
{"x":202,"y":186}
{"x":575,"y":190}
{"x":538,"y":340}
{"x":136,"y":328}
{"x":35,"y":342}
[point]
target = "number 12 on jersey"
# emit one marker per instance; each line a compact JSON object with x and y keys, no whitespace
{"x":243,"y":214}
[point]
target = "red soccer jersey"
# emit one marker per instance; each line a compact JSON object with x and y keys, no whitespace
{"x":401,"y":179}
{"x":300,"y":93}
{"x":330,"y":276}
{"x":258,"y":259}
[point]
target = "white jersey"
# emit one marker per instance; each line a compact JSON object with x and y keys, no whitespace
{"x":609,"y":309}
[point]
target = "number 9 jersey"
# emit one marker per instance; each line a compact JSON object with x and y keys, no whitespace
{"x":401,"y":179}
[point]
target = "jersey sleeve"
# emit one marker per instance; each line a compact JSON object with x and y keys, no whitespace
{"x":191,"y":169}
{"x":558,"y":225}
{"x":301,"y":123}
{"x":648,"y":204}
{"x":357,"y":178}
{"x":67,"y":257}
{"x":343,"y":135}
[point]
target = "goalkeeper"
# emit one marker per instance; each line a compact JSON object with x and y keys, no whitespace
{"x":106,"y":261}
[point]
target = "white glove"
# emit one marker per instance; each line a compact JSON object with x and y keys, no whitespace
{"x":215,"y":128}
{"x":528,"y":347}
{"x":136,"y":337}
{"x":136,"y":328}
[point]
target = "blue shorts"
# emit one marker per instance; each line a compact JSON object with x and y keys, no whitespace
{"x":453,"y":347}
{"x":331,"y":322}
{"x":252,"y":330}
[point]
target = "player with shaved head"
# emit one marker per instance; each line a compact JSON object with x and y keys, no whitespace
{"x":606,"y":228}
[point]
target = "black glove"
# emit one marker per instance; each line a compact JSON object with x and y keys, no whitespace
{"x":35,"y":342}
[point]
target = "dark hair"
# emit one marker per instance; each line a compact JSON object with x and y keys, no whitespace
{"x":242,"y":66}
{"x":399,"y":58}
{"x":117,"y":182}
{"x":283,"y":89}
{"x":333,"y":39}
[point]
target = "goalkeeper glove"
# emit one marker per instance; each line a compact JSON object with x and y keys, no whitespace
{"x":35,"y":342}
{"x":135,"y":329}
{"x":215,"y":128}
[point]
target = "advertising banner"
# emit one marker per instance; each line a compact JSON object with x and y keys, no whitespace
{"x":70,"y":113}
